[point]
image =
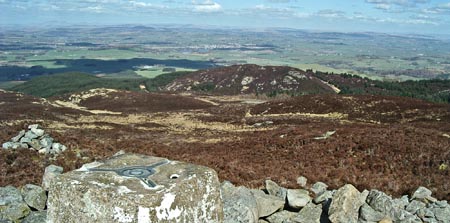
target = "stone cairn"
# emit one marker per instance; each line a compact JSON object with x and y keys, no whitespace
{"x":35,"y":139}
{"x":27,"y":204}
{"x":316,"y":204}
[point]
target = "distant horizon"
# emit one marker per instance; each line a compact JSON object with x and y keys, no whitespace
{"x":420,"y":17}
{"x":217,"y":27}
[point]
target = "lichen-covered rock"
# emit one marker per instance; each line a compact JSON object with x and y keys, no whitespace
{"x":136,"y":188}
{"x":50,"y":174}
{"x":421,"y":193}
{"x":18,"y":136}
{"x":239,"y":204}
{"x":267,"y":204}
{"x":319,"y":188}
{"x":298,"y":198}
{"x":324,"y":196}
{"x":345,"y":205}
{"x":281,"y":217}
{"x":383,"y":203}
{"x":368,"y":214}
{"x":34,"y":196}
{"x":36,"y":217}
{"x":311,"y":213}
{"x":12,"y":206}
{"x":275,"y":190}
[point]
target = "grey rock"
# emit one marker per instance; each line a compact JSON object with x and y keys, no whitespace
{"x":345,"y":205}
{"x":267,"y":204}
{"x":414,"y":206}
{"x":57,"y":148}
{"x":25,"y":140}
{"x":298,"y":198}
{"x":34,"y":196}
{"x":49,"y":175}
{"x":326,"y":195}
{"x":301,"y":181}
{"x":30,"y":135}
{"x":383,"y":203}
{"x":34,"y":126}
{"x":281,"y":217}
{"x":441,"y":204}
{"x":7,"y":145}
{"x":425,"y":214}
{"x":441,"y":214}
{"x":311,"y":213}
{"x":319,"y":187}
{"x":35,"y":144}
{"x":421,"y":193}
{"x":275,"y":190}
{"x":46,"y":142}
{"x":401,"y":203}
{"x":10,"y":195}
{"x":12,"y":206}
{"x":38,"y":132}
{"x":239,"y":204}
{"x":18,"y":136}
{"x":36,"y":217}
{"x":44,"y":150}
{"x":367,"y":213}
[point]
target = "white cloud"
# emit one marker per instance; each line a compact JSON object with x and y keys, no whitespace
{"x":207,"y":6}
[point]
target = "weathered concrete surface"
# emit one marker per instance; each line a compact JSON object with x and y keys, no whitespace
{"x":182,"y":193}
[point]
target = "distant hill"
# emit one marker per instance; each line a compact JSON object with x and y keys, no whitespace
{"x":251,"y":79}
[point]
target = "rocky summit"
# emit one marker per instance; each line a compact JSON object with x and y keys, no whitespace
{"x":35,"y":139}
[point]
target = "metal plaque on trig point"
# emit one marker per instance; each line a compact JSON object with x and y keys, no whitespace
{"x":140,"y":172}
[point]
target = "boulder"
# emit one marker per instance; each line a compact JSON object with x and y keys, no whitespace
{"x":12,"y":206}
{"x":30,"y":135}
{"x":298,"y":198}
{"x":421,"y":193}
{"x":46,"y":142}
{"x":345,"y":205}
{"x":34,"y":126}
{"x":38,"y":132}
{"x":324,"y":196}
{"x":136,"y":188}
{"x":275,"y":190}
{"x":311,"y":213}
{"x":36,"y":217}
{"x":319,"y":188}
{"x":267,"y":204}
{"x":281,"y":217}
{"x":383,"y":203}
{"x":414,"y":206}
{"x":49,"y":175}
{"x":7,"y":145}
{"x":301,"y":181}
{"x":35,"y":144}
{"x":239,"y":204}
{"x":441,"y":214}
{"x":34,"y":196}
{"x":18,"y":136}
{"x":368,"y":214}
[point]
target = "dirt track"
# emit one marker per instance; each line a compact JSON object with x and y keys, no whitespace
{"x":387,"y":143}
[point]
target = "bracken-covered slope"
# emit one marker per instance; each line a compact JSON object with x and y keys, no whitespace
{"x":251,"y":79}
{"x":392,"y":144}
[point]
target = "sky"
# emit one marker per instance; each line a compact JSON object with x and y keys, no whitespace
{"x":388,"y":16}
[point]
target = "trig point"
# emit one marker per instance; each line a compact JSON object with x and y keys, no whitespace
{"x":135,"y":188}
